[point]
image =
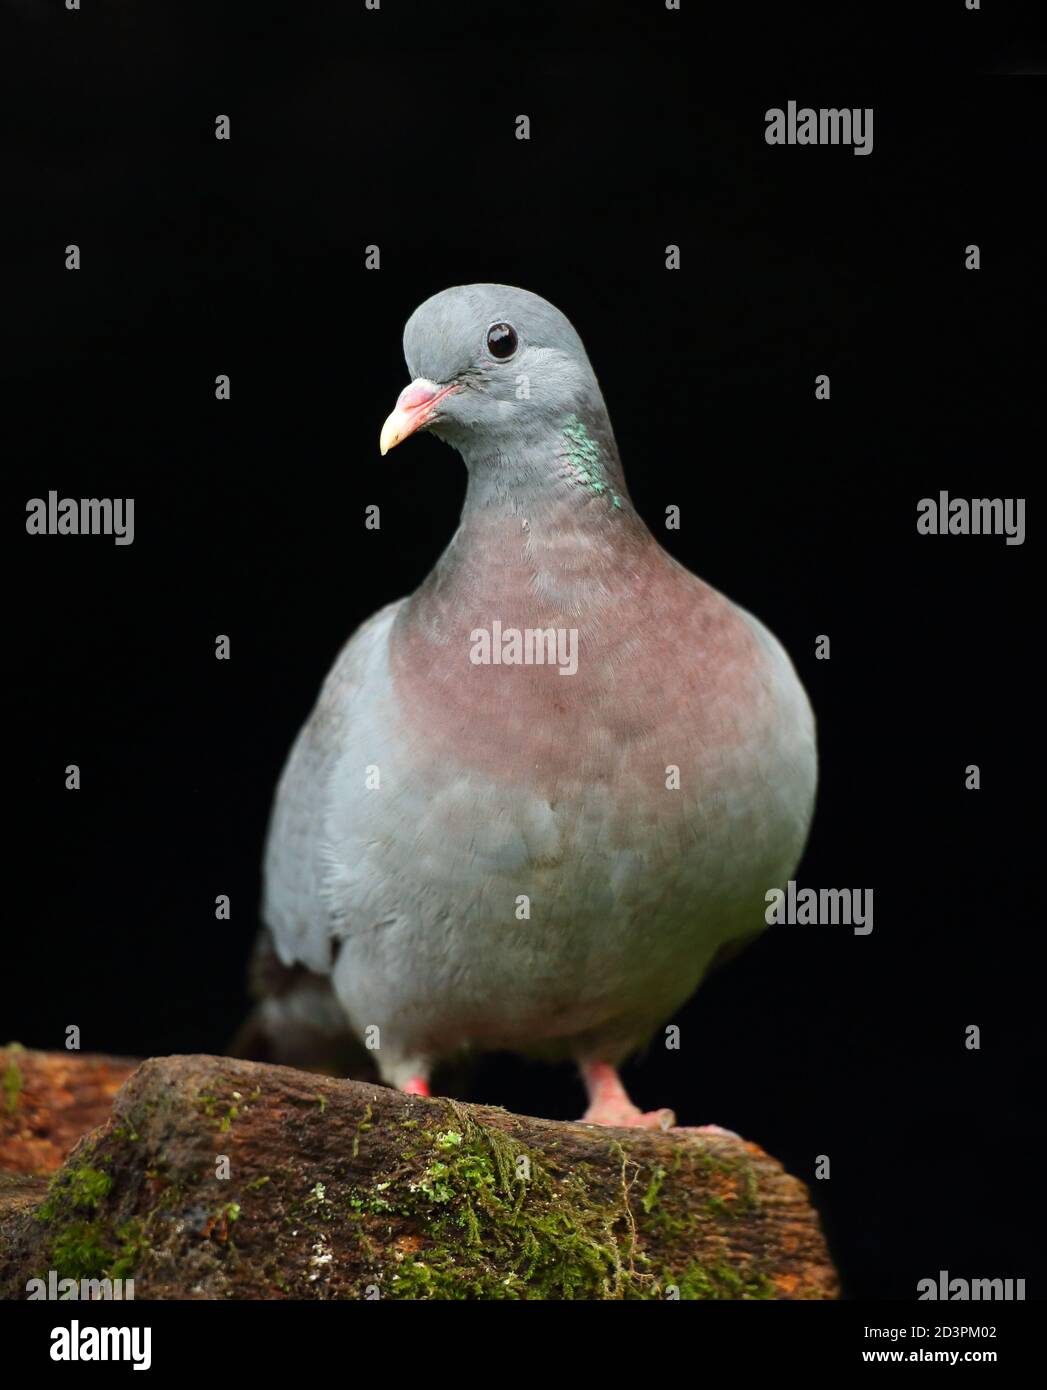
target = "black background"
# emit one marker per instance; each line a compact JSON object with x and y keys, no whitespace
{"x":247,"y":258}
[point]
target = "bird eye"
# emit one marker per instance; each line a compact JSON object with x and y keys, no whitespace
{"x":501,"y":340}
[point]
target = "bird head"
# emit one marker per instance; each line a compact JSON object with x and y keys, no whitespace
{"x":493,"y":367}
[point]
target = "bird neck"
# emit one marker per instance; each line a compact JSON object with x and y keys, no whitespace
{"x":548,"y":524}
{"x":564,"y":469}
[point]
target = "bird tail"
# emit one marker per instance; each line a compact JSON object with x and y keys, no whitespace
{"x":296,"y":1020}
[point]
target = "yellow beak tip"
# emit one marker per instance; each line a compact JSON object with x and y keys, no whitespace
{"x":390,"y":435}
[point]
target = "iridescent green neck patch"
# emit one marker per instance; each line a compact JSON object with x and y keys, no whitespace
{"x":584,"y":462}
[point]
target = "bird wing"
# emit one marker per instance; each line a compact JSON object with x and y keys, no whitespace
{"x":295,"y":906}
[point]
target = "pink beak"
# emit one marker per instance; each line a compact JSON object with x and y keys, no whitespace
{"x":414,"y":408}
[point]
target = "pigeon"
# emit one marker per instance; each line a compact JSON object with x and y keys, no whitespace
{"x":540,"y":796}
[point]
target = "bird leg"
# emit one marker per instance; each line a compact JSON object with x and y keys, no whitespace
{"x":609,"y":1103}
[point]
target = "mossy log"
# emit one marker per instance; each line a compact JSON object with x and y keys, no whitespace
{"x":215,"y":1178}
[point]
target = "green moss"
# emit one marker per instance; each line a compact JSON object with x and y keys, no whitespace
{"x":370,"y":1200}
{"x":83,"y":1244}
{"x":81,"y":1252}
{"x":670,"y":1216}
{"x":719,"y":1282}
{"x":87,"y":1250}
{"x":362,"y":1128}
{"x":501,"y":1224}
{"x":751,"y":1187}
{"x":132,"y":1246}
{"x":650,"y":1197}
{"x":362,"y":1239}
{"x":223,"y":1110}
{"x":736,"y":1177}
{"x":668,"y":1224}
{"x":12,"y":1085}
{"x":79,"y":1189}
{"x":663,"y":1214}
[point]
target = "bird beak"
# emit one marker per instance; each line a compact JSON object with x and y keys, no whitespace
{"x":414,"y":409}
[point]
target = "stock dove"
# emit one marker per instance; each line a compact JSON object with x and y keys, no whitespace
{"x":539,"y":796}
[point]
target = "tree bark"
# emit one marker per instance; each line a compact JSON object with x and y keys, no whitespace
{"x":217,"y":1178}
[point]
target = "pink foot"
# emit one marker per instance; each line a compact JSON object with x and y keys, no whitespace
{"x":628,"y":1117}
{"x":609,"y":1103}
{"x":416,"y":1086}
